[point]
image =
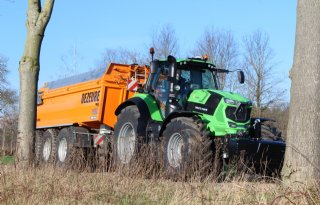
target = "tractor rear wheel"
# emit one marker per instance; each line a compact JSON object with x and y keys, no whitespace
{"x":188,"y":148}
{"x":129,"y":133}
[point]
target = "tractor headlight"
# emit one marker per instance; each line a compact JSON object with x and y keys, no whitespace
{"x":231,"y":102}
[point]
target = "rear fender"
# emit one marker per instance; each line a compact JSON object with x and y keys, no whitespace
{"x":142,"y":106}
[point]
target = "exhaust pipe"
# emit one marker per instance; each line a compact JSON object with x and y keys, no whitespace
{"x":172,"y":103}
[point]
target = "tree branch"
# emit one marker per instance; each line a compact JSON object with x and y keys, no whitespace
{"x":45,"y":15}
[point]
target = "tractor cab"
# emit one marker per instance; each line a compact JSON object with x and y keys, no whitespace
{"x":172,"y":80}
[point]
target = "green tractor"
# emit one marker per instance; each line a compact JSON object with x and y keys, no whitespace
{"x":197,"y":126}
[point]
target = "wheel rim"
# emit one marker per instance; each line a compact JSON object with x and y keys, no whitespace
{"x":126,"y":143}
{"x":46,"y":149}
{"x":174,"y":150}
{"x":62,"y":150}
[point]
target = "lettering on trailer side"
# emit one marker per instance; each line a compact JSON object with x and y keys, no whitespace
{"x":90,"y":97}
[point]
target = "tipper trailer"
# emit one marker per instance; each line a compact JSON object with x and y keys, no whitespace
{"x":175,"y":104}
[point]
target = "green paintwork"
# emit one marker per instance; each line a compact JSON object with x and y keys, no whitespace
{"x":232,"y":96}
{"x":218,"y":122}
{"x":199,"y":96}
{"x":152,"y":105}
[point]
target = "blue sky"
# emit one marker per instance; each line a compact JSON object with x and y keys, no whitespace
{"x":93,"y":27}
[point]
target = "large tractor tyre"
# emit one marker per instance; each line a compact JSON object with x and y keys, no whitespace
{"x":269,"y":133}
{"x":67,"y":155}
{"x":188,"y":149}
{"x":129,"y":134}
{"x":45,"y":146}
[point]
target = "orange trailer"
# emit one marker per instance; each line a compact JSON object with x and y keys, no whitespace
{"x":88,"y":99}
{"x":79,"y":111}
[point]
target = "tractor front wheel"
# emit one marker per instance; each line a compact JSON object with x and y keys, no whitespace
{"x":188,"y":148}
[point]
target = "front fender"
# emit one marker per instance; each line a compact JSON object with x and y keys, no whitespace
{"x":176,"y":114}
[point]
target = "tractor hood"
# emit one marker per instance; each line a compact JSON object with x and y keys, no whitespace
{"x":232,"y":96}
{"x":205,"y":96}
{"x":225,"y":112}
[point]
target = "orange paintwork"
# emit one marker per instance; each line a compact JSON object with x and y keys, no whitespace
{"x":89,"y":103}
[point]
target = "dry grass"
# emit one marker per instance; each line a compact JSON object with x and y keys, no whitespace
{"x":56,"y":186}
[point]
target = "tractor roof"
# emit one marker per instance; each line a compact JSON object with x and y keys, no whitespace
{"x":197,"y":62}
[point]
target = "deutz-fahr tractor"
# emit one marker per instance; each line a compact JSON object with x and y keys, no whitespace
{"x":197,"y":127}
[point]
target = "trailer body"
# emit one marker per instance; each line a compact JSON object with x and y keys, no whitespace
{"x":89,"y":99}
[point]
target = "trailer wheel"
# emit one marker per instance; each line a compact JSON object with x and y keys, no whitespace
{"x":130,"y":131}
{"x":45,"y":146}
{"x":66,"y":152}
{"x":188,"y":148}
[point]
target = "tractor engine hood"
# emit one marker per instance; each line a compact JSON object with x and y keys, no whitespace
{"x":207,"y":101}
{"x":227,"y":113}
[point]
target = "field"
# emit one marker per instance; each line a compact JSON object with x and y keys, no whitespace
{"x":57,"y":186}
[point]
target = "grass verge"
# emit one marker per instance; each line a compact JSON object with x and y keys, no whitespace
{"x":6,"y":160}
{"x":56,"y":186}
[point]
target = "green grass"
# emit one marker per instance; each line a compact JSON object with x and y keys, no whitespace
{"x":6,"y":160}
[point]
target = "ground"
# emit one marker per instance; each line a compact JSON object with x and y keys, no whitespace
{"x":56,"y":186}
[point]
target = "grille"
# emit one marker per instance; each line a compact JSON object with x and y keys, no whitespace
{"x":238,"y":114}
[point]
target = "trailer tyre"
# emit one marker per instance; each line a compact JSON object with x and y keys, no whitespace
{"x":188,"y":149}
{"x":130,"y":131}
{"x":45,"y":146}
{"x":66,"y":153}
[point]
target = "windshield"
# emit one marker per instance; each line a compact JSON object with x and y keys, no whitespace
{"x":198,"y":78}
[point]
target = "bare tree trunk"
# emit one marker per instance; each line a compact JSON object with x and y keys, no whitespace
{"x":37,"y":20}
{"x":302,"y":162}
{"x":3,"y":139}
{"x":11,"y":142}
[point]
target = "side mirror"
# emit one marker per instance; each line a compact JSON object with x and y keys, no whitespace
{"x":241,"y":76}
{"x":154,"y":66}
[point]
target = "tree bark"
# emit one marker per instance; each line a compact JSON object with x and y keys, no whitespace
{"x":302,"y":157}
{"x":3,"y":139}
{"x":37,"y":20}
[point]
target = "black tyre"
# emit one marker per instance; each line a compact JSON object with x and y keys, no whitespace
{"x":45,"y":146}
{"x":269,"y":133}
{"x":67,"y":154}
{"x":129,"y":133}
{"x":188,"y":148}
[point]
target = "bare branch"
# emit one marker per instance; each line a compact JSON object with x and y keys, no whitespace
{"x":258,"y":65}
{"x":165,"y":42}
{"x":222,"y":50}
{"x":45,"y":15}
